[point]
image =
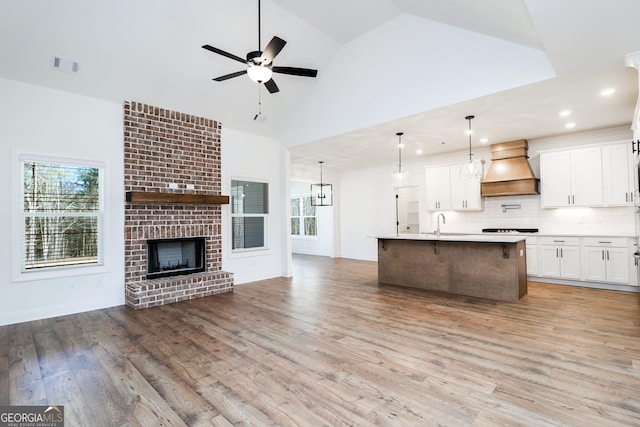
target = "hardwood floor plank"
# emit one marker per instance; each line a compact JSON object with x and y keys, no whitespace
{"x":25,"y":382}
{"x":4,"y":366}
{"x":331,"y":346}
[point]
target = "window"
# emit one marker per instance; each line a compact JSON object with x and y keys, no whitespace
{"x":249,"y":213}
{"x":303,"y":217}
{"x":61,"y":215}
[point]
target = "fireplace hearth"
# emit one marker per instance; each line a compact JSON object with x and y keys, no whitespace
{"x":175,"y":257}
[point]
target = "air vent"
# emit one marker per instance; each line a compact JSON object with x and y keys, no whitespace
{"x":64,"y":64}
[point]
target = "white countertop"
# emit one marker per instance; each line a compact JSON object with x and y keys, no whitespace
{"x":444,"y":237}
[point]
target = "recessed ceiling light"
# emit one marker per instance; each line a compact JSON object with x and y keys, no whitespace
{"x":484,"y":140}
{"x":570,"y":125}
{"x":608,"y":91}
{"x":565,"y":113}
{"x":419,"y":151}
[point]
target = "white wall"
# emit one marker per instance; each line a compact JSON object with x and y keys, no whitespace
{"x":368,"y":203}
{"x":427,"y":73}
{"x":248,"y":156}
{"x":39,"y":121}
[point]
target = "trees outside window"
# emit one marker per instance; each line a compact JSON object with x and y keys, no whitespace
{"x":62,"y":214}
{"x":304,"y":218}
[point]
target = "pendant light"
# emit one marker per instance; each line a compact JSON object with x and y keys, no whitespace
{"x":473,"y":168}
{"x":321,"y":194}
{"x":401,"y":177}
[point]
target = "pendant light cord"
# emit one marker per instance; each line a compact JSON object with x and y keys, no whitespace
{"x":259,"y":29}
{"x":469,"y":119}
{"x":400,"y":151}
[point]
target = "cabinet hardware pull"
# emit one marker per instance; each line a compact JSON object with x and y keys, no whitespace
{"x":558,"y":241}
{"x":603,"y":242}
{"x":603,"y":254}
{"x":626,"y":197}
{"x":633,"y":147}
{"x":561,"y":253}
{"x":573,"y":200}
{"x":556,"y":252}
{"x":607,"y":255}
{"x":568,"y":199}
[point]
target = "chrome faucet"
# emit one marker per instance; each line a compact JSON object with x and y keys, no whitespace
{"x":444,"y":221}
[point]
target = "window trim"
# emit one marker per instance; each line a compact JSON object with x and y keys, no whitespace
{"x":18,"y":272}
{"x":301,"y":217}
{"x":266,"y":218}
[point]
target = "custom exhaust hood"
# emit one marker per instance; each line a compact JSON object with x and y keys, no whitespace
{"x":510,"y":173}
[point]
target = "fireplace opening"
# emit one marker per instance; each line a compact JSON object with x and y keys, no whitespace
{"x":175,"y":257}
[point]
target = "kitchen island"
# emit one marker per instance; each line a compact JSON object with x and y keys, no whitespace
{"x":492,"y":267}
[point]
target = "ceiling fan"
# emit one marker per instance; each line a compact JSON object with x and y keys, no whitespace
{"x":260,"y":63}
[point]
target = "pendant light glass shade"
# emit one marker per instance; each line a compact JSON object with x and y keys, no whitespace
{"x":321,"y":194}
{"x":400,"y":177}
{"x":472,"y":168}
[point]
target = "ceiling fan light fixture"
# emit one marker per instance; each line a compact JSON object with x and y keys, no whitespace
{"x":259,"y":73}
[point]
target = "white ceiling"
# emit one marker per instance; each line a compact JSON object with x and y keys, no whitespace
{"x":417,"y":66}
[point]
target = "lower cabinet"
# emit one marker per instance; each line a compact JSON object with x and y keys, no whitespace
{"x":588,"y":259}
{"x":605,"y":259}
{"x":559,"y":257}
{"x":532,"y":256}
{"x":634,"y":263}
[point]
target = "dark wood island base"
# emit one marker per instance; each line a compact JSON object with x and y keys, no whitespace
{"x":487,"y":268}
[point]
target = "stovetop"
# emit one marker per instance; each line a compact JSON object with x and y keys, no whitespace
{"x":509,"y":230}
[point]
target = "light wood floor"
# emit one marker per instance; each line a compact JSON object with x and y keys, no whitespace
{"x":332,"y":347}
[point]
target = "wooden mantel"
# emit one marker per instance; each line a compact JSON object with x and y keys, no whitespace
{"x":161,"y":197}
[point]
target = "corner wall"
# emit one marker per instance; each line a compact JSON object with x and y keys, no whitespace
{"x":250,"y":156}
{"x":39,"y":121}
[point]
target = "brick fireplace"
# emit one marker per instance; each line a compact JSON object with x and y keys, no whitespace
{"x":174,"y":158}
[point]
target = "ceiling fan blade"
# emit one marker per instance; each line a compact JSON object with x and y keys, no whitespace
{"x":230,"y":76}
{"x":271,"y":86}
{"x":223,"y":53}
{"x":273,"y":48}
{"x":295,"y":71}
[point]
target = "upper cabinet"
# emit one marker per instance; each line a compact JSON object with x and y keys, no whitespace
{"x":448,"y":189}
{"x":617,"y":175}
{"x":465,"y":191}
{"x":571,"y":178}
{"x":437,"y":186}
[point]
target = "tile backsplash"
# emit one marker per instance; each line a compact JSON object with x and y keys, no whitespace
{"x":605,"y":221}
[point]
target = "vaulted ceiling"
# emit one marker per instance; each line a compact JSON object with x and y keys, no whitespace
{"x":418,"y":66}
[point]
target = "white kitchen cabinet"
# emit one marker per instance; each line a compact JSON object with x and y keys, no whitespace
{"x":532,"y":256}
{"x":617,"y":177}
{"x":559,"y":257}
{"x":437,"y":187}
{"x":633,"y":263}
{"x":605,"y":259}
{"x":465,"y":191}
{"x":571,"y":178}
